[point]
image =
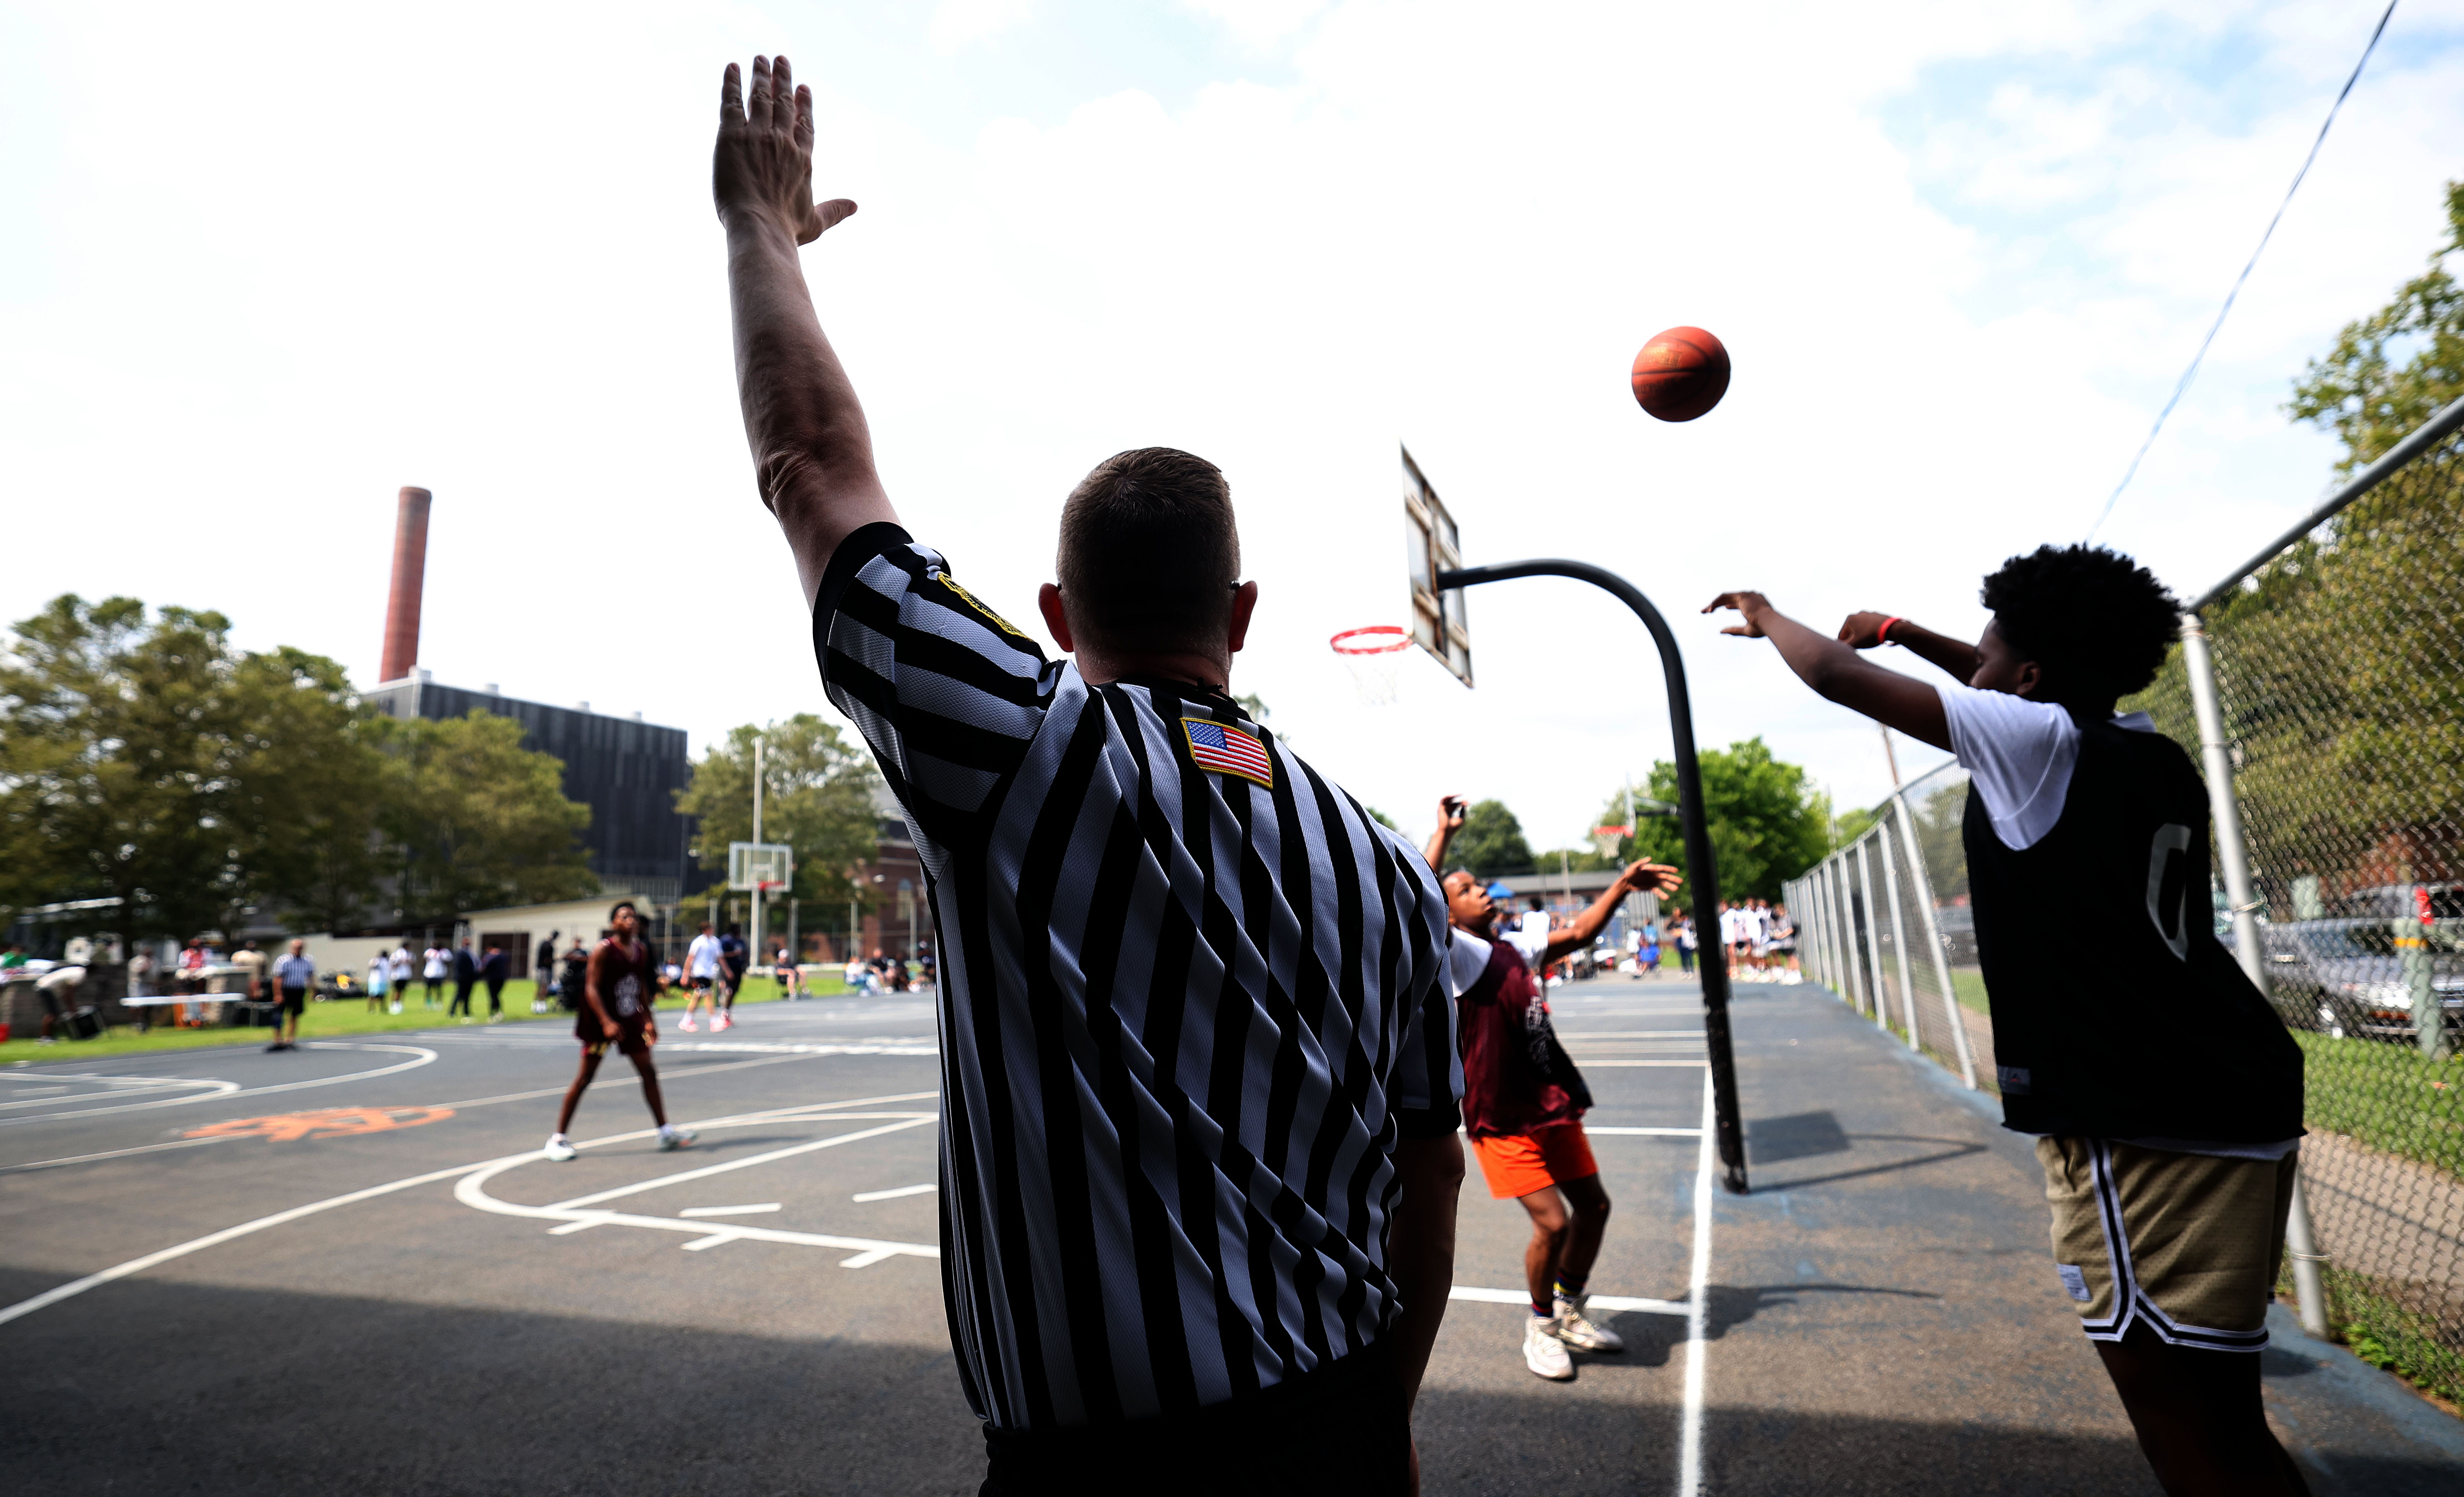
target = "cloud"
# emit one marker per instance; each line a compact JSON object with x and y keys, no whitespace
{"x":1257,"y":23}
{"x":962,"y":23}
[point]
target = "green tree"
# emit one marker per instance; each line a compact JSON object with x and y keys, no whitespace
{"x":144,"y":759}
{"x":1490,"y":842}
{"x":2339,"y":664}
{"x":1767,"y":824}
{"x":311,"y":792}
{"x":817,"y":797}
{"x":474,"y":820}
{"x":2357,"y":392}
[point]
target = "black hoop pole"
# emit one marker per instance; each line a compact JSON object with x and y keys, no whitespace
{"x":1701,"y":878}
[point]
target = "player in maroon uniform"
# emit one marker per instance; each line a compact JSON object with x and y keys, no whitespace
{"x":617,"y":990}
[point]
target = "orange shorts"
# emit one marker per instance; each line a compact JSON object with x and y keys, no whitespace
{"x":1520,"y":1164}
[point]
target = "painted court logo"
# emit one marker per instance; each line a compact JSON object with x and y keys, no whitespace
{"x":331,"y":1122}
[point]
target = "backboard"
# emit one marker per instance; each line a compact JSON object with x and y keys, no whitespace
{"x":756,"y":865}
{"x":1431,"y":545}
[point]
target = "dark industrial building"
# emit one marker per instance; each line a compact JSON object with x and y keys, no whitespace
{"x":626,"y":770}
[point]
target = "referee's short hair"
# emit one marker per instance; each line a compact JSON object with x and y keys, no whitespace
{"x":1149,"y":552}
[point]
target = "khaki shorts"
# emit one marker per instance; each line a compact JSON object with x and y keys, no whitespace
{"x":2186,"y":1243}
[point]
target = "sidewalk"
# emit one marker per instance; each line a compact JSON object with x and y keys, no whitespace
{"x":1886,"y":1319}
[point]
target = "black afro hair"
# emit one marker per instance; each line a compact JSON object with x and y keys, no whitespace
{"x":2095,"y":620}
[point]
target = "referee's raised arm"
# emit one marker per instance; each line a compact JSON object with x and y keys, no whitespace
{"x":811,"y":450}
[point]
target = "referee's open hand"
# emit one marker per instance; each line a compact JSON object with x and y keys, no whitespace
{"x":764,"y":166}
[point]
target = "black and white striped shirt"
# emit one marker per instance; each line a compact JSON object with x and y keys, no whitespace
{"x":1185,"y":1013}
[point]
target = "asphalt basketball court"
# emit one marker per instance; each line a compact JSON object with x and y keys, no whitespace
{"x":349,"y":1268}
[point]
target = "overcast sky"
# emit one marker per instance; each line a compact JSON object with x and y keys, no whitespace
{"x":266,"y":265}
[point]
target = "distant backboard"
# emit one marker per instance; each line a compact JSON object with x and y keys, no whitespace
{"x":755,"y":865}
{"x":1431,"y":545}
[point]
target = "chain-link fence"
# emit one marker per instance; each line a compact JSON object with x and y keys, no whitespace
{"x":2337,"y":718}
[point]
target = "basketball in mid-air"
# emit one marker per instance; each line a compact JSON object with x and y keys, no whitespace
{"x":1681,"y":374}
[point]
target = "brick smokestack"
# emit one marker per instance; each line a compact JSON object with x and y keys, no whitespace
{"x":409,"y":576}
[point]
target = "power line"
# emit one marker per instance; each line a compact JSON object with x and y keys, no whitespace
{"x":2225,"y":310}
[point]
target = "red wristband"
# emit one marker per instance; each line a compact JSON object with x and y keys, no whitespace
{"x":1883,"y":635}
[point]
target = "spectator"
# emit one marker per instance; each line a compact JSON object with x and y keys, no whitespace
{"x":377,"y":969}
{"x":294,"y":975}
{"x":14,"y":957}
{"x":141,"y":972}
{"x":791,"y":981}
{"x":58,"y":988}
{"x":433,"y":968}
{"x":250,"y":963}
{"x":1681,"y":934}
{"x":466,"y":972}
{"x":735,"y":958}
{"x":494,"y":970}
{"x":542,"y":969}
{"x":577,"y":971}
{"x":398,"y":970}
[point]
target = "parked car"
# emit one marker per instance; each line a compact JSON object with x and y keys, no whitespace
{"x":2347,"y":977}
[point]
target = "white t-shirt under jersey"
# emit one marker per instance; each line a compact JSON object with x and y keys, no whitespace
{"x":2019,"y":754}
{"x":1468,"y":955}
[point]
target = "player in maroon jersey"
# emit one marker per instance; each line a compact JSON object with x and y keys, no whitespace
{"x":617,"y":990}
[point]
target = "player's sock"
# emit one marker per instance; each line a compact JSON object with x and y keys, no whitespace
{"x":1541,"y":1311}
{"x":1570,"y":1288}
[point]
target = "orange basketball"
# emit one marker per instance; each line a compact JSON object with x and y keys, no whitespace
{"x":1681,"y":374}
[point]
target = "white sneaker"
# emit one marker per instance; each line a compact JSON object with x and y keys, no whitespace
{"x":1543,"y":1353}
{"x":1575,"y":1329}
{"x":721,"y":1023}
{"x":688,"y":1026}
{"x":395,"y":1009}
{"x":675,"y":1138}
{"x":557,"y":1150}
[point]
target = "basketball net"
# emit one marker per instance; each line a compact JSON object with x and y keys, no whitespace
{"x":1374,"y":657}
{"x":1605,"y":839}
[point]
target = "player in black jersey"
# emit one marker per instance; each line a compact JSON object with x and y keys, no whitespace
{"x":2164,"y":1094}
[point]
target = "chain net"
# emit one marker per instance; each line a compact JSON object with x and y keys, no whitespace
{"x":2339,"y":671}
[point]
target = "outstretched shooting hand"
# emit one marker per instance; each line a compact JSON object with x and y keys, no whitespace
{"x":1749,"y":604}
{"x":1450,"y":814}
{"x":764,"y":161}
{"x":1644,"y":876}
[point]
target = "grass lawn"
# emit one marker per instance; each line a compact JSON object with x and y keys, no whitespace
{"x":344,"y":1020}
{"x":2387,"y":1095}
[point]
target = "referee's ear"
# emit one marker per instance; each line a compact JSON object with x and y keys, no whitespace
{"x":1245,"y":601}
{"x":1048,"y":601}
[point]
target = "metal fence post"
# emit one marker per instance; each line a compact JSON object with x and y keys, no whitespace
{"x":1899,"y":937}
{"x":1844,"y":933}
{"x":1933,"y":943}
{"x":2309,"y":1286}
{"x":1873,"y":936}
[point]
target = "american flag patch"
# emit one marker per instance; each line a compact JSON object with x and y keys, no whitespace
{"x":1227,"y":750}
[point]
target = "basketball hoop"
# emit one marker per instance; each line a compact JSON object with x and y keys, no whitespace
{"x":1373,"y":655}
{"x":1605,"y":839}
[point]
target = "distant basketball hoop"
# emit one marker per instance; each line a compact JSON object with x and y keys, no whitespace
{"x":1605,"y":840}
{"x":1374,"y":655}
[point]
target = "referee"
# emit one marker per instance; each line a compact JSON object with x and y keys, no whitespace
{"x":1198,"y":1162}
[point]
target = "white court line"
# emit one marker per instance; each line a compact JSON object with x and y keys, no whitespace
{"x":115,"y":1154}
{"x":1689,"y":1458}
{"x":1630,"y":1034}
{"x":893,"y":1194}
{"x":1480,"y":1296}
{"x":1595,"y":1063}
{"x":745,"y":1163}
{"x":420,"y":1057}
{"x":1647,"y":1133}
{"x":75,"y":1287}
{"x":724,"y":1211}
